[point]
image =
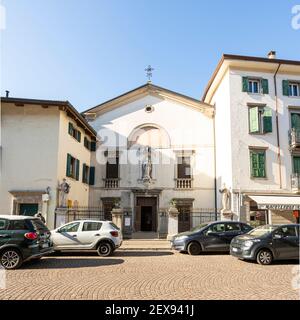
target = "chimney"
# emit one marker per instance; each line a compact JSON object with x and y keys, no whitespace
{"x":272,"y":55}
{"x":7,"y":93}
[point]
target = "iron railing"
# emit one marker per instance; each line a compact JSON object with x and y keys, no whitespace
{"x":295,"y":181}
{"x":294,"y":138}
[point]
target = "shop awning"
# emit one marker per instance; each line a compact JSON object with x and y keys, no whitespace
{"x":277,"y":202}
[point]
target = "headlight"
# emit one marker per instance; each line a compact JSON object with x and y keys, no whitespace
{"x":249,"y":243}
{"x":180,"y":238}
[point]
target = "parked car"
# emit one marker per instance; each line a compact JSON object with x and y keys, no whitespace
{"x":103,"y":236}
{"x":22,"y":238}
{"x":213,"y":237}
{"x":267,"y":243}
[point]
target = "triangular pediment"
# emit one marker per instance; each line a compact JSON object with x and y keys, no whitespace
{"x":140,"y":92}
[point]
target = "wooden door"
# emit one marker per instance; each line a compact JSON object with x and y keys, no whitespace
{"x":137,"y":219}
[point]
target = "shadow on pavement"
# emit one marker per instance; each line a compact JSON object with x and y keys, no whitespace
{"x":69,"y":263}
{"x":141,"y":253}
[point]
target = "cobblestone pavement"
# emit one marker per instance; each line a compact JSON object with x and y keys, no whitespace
{"x":149,"y":275}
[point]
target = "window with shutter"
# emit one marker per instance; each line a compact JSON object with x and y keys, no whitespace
{"x":295,"y":119}
{"x":68,"y":171}
{"x":296,"y":164}
{"x":257,"y":162}
{"x":92,"y":176}
{"x":71,"y":128}
{"x":112,"y":168}
{"x":184,"y":168}
{"x":93,"y":146}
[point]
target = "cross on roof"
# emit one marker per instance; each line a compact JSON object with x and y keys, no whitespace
{"x":149,"y":70}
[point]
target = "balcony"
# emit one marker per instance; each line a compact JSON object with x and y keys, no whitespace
{"x":183,"y":183}
{"x":295,"y":180}
{"x":294,"y":137}
{"x":111,"y":183}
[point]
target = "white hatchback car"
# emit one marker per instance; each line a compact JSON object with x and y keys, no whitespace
{"x":103,"y":236}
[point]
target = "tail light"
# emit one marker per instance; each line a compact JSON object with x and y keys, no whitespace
{"x":31,"y":235}
{"x":114,"y":233}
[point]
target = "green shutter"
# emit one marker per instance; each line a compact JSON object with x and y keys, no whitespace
{"x":92,"y":176}
{"x":93,"y":146}
{"x":77,"y":169}
{"x":85,"y":142}
{"x":254,"y":164}
{"x":245,"y":84}
{"x":265,"y":86}
{"x":71,"y":128}
{"x":68,"y":171}
{"x":296,"y":165}
{"x":253,"y":120}
{"x":261,"y":165}
{"x":84,"y":173}
{"x":285,"y":88}
{"x":79,"y":136}
{"x":267,"y":120}
{"x":295,"y":119}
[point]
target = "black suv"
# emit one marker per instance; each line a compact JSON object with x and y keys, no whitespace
{"x":267,"y":243}
{"x":21,"y":239}
{"x":215,"y":236}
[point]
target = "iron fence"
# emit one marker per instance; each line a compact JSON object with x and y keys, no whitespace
{"x":65,"y":215}
{"x":202,"y":217}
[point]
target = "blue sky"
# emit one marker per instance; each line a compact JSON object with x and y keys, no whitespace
{"x":93,"y":50}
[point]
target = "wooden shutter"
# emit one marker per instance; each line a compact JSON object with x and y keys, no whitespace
{"x":70,"y":128}
{"x":267,"y":120}
{"x":265,"y":86}
{"x":261,"y":165}
{"x":84,"y":178}
{"x":77,"y":169}
{"x":85,"y":142}
{"x":285,"y":88}
{"x":254,"y":164}
{"x":93,"y":146}
{"x":68,"y":171}
{"x":295,"y":119}
{"x":245,"y":84}
{"x":92,"y":176}
{"x":253,"y":120}
{"x":78,"y":136}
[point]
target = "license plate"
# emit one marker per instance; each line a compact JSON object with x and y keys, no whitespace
{"x":235,"y":249}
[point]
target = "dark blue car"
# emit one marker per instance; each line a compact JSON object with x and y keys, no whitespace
{"x":211,"y":237}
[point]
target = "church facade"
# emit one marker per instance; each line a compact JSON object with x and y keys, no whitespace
{"x":157,"y":149}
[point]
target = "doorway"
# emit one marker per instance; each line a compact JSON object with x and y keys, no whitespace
{"x":146,"y":214}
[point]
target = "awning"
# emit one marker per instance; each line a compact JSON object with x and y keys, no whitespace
{"x":277,"y":202}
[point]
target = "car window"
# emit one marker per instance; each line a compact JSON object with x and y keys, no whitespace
{"x":72,"y":227}
{"x":39,"y":225}
{"x":92,"y":226}
{"x":220,"y":227}
{"x":114,"y":226}
{"x":18,"y":225}
{"x":288,"y":231}
{"x":232,"y":227}
{"x":3,"y":224}
{"x":245,"y":227}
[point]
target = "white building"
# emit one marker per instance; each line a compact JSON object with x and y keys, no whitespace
{"x":152,"y":132}
{"x":43,"y":142}
{"x":257,"y":106}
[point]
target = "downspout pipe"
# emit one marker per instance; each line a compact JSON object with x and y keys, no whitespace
{"x":277,"y":125}
{"x":215,"y":165}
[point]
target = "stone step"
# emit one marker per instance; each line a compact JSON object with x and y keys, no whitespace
{"x":156,"y":244}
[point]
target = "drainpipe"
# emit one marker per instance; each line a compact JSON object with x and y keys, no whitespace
{"x":215,"y":165}
{"x":277,"y":126}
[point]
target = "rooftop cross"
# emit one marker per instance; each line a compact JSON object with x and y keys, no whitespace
{"x":149,"y":70}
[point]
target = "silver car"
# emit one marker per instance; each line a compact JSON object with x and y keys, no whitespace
{"x":103,"y":236}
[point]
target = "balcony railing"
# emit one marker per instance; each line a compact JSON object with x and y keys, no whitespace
{"x":294,"y":137}
{"x":295,"y":180}
{"x":111,"y":183}
{"x":184,"y":183}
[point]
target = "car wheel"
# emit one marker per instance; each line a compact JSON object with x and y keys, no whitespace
{"x":105,"y":249}
{"x":194,"y":248}
{"x":264,"y":257}
{"x":11,"y":259}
